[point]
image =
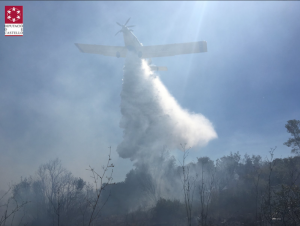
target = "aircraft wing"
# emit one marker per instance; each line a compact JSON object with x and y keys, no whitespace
{"x":114,"y":51}
{"x":173,"y":49}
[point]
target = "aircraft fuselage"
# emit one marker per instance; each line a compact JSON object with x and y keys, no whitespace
{"x":130,"y":40}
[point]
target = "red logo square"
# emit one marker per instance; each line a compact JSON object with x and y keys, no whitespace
{"x":13,"y":14}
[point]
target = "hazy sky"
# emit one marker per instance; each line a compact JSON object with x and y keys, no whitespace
{"x":58,"y":102}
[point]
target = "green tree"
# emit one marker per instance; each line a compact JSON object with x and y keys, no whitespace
{"x":293,"y":127}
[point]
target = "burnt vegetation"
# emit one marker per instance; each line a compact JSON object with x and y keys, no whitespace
{"x":233,"y":190}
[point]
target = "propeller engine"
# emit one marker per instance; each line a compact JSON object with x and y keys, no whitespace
{"x":124,"y":27}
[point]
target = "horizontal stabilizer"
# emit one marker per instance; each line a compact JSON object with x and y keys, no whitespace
{"x":158,"y":68}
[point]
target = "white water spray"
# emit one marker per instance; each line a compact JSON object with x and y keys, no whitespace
{"x":152,"y":119}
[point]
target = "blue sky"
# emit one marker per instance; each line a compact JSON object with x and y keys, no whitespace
{"x":58,"y":102}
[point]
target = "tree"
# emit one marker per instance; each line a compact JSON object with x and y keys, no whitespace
{"x":167,"y":212}
{"x":286,"y":204}
{"x":256,"y":179}
{"x":55,"y":196}
{"x":188,"y":183}
{"x":293,"y":127}
{"x":267,"y":199}
{"x":58,"y":198}
{"x":10,"y":212}
{"x":206,"y":187}
{"x":101,"y":181}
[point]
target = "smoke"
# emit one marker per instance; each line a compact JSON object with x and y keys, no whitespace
{"x":152,"y":120}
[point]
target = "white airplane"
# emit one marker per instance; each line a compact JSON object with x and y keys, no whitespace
{"x":144,"y":52}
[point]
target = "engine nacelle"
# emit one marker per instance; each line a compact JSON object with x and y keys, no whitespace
{"x":118,"y":55}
